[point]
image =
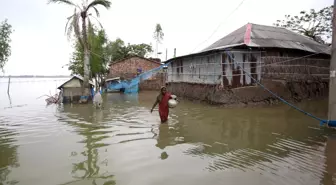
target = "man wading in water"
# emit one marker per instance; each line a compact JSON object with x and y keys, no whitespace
{"x":162,"y":99}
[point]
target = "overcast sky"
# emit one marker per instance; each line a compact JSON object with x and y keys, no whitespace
{"x":39,"y":46}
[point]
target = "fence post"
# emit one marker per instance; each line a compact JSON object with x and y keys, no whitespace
{"x":9,"y":79}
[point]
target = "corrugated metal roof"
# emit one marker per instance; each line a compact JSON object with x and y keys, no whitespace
{"x":111,"y":79}
{"x":269,"y":36}
{"x":75,"y":76}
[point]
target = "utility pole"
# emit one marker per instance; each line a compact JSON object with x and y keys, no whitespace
{"x":166,"y":53}
{"x":332,"y":80}
{"x":175,"y":50}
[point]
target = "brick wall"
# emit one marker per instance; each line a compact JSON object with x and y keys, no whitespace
{"x":155,"y":83}
{"x":127,"y":68}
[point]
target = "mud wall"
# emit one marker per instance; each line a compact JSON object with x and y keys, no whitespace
{"x":252,"y":95}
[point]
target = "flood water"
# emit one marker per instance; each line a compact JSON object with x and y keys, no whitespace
{"x":125,"y":144}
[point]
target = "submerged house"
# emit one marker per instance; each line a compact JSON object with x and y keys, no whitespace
{"x":72,"y":89}
{"x":277,"y":57}
{"x":130,"y":67}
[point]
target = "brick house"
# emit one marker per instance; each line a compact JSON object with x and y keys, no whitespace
{"x":130,"y":67}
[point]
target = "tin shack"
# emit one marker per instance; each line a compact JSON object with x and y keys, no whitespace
{"x":71,"y":90}
{"x":290,"y":64}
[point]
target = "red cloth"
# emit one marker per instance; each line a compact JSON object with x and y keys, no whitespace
{"x":164,"y":108}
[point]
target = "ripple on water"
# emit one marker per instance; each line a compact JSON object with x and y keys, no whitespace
{"x":287,"y":159}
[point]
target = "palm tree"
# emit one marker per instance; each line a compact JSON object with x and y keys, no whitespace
{"x":81,"y":13}
{"x":158,"y":36}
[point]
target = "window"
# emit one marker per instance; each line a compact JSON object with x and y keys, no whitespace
{"x":179,"y":68}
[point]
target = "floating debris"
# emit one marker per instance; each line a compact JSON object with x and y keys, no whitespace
{"x":55,"y":99}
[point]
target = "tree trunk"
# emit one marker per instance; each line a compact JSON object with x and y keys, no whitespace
{"x":86,"y":71}
{"x":101,"y":81}
{"x":86,"y":84}
{"x":97,"y":83}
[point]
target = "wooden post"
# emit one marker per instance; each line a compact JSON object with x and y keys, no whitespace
{"x":71,"y":96}
{"x":9,"y":78}
{"x":332,"y":80}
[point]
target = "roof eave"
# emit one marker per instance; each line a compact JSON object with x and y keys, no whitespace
{"x":206,"y":51}
{"x":75,"y":76}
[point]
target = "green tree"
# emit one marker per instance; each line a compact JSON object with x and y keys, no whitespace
{"x":158,"y":36}
{"x":314,"y":24}
{"x":97,"y":41}
{"x":117,"y":50}
{"x":5,"y":48}
{"x":82,"y":13}
{"x":140,"y":49}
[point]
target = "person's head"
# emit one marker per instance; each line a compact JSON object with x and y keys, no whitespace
{"x":163,"y":90}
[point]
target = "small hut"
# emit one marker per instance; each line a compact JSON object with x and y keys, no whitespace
{"x":72,"y":89}
{"x":112,"y":81}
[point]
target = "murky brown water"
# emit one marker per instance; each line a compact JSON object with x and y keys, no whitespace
{"x":124,"y":144}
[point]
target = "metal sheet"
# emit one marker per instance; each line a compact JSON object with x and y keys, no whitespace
{"x":268,"y":36}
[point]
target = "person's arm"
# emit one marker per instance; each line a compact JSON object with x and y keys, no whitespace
{"x":156,"y":102}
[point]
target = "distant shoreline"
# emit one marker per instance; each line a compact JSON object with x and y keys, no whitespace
{"x":34,"y":76}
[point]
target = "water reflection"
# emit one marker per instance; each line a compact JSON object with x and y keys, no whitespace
{"x":10,"y":100}
{"x":250,"y":140}
{"x":8,"y":154}
{"x":168,"y":135}
{"x":91,"y":128}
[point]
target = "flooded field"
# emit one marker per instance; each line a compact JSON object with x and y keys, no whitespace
{"x":125,"y":144}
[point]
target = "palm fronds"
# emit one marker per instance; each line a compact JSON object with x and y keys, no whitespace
{"x":105,"y":3}
{"x":101,"y":26}
{"x":97,"y":12}
{"x":68,"y":2}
